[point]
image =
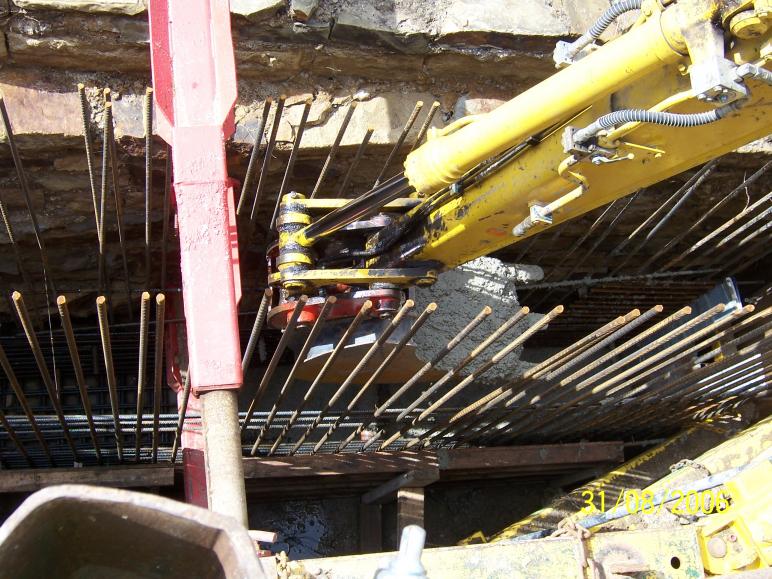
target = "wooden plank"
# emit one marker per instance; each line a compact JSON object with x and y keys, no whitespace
{"x":370,"y":528}
{"x":413,"y":478}
{"x":29,"y":480}
{"x":410,"y":508}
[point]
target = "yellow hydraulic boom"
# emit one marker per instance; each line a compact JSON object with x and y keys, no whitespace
{"x":687,"y":83}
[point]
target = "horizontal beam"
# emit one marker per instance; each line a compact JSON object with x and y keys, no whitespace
{"x":451,"y":463}
{"x":413,"y":479}
{"x":132,"y":476}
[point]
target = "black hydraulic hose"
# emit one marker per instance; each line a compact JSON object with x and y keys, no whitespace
{"x":607,"y":18}
{"x":656,"y":117}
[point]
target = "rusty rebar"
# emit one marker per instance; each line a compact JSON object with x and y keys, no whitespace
{"x":144,"y":322}
{"x":148,"y":122}
{"x":261,"y":182}
{"x":718,"y":205}
{"x":425,"y":126}
{"x":24,"y":403}
{"x":24,"y":186}
{"x":334,"y":148}
{"x":166,"y":214}
{"x":479,"y":349}
{"x":113,"y":156}
{"x":387,"y":361}
{"x":376,"y":347}
{"x":500,"y":355}
{"x":158,"y":369}
{"x":295,"y":151}
{"x":257,"y":328}
{"x":183,"y":410}
{"x":438,"y":357}
{"x":355,"y":162}
{"x":85,"y":118}
{"x":364,"y":311}
{"x":14,"y":437}
{"x":32,"y":340}
{"x":291,"y":162}
{"x":288,"y":334}
{"x":299,"y":360}
{"x":112,"y":386}
{"x":104,"y":281}
{"x":400,"y":140}
{"x":252,"y":166}
{"x":638,"y":371}
{"x":80,"y":378}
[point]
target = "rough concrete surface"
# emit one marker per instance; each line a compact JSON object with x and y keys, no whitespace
{"x":461,"y":294}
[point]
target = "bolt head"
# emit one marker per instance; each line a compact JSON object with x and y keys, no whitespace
{"x":717,"y":547}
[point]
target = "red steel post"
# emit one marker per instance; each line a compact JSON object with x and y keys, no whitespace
{"x":194,"y":78}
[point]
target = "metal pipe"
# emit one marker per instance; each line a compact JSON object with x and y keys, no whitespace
{"x":400,"y":140}
{"x":24,"y":186}
{"x":355,"y":163}
{"x":32,"y":340}
{"x":181,"y":418}
{"x":252,"y":166}
{"x":104,"y":331}
{"x":374,"y":349}
{"x":387,"y":361}
{"x":334,"y":148}
{"x":267,"y":157}
{"x":289,"y":332}
{"x":222,"y":454}
{"x":72,"y":346}
{"x":24,"y":403}
{"x":144,"y":316}
{"x":158,"y":366}
{"x":425,"y":126}
{"x":113,"y":153}
{"x":299,"y":360}
{"x":148,"y":122}
{"x":364,"y":311}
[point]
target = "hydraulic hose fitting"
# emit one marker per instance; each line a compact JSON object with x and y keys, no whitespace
{"x":566,"y":52}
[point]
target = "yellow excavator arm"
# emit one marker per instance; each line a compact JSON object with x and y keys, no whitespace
{"x":685,"y":84}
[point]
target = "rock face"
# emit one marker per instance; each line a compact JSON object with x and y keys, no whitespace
{"x":129,"y":7}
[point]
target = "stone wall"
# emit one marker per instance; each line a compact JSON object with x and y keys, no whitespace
{"x":469,"y":56}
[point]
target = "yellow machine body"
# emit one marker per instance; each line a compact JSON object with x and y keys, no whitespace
{"x":650,"y":67}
